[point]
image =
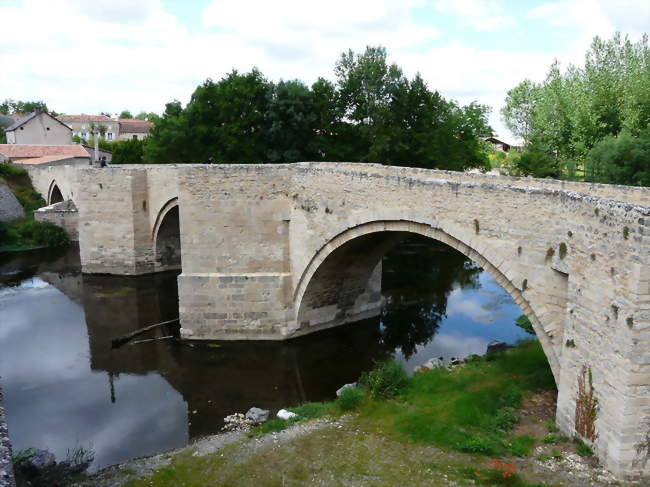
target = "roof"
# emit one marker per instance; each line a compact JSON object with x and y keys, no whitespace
{"x":44,"y":159}
{"x":27,"y":118}
{"x":20,"y":122}
{"x":20,"y":151}
{"x":85,"y":118}
{"x":88,"y":147}
{"x":134,"y":126}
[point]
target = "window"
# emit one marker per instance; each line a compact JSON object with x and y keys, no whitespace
{"x":109,"y":136}
{"x":84,"y":135}
{"x":135,"y":137}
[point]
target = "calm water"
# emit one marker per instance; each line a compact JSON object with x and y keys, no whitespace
{"x":64,"y":385}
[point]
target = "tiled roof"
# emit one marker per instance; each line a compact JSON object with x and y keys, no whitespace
{"x":43,"y":160}
{"x":134,"y":126}
{"x":85,"y":118}
{"x":20,"y":151}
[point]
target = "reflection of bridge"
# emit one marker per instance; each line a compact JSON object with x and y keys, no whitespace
{"x":214,"y":381}
{"x":276,"y":251}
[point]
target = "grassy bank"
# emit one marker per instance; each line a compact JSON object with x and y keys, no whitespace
{"x":441,"y":427}
{"x":25,"y":233}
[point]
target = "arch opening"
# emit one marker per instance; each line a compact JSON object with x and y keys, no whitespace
{"x":167,"y":240}
{"x":55,"y":195}
{"x":343,"y":281}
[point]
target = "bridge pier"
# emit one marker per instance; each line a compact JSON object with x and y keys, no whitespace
{"x":275,"y":251}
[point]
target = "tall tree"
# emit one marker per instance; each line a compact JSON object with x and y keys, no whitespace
{"x":125,"y":114}
{"x":517,"y":113}
{"x":10,"y":106}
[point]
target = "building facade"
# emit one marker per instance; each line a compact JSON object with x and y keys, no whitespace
{"x":112,"y":128}
{"x":39,"y":128}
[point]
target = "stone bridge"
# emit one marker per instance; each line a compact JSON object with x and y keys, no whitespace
{"x":276,"y":251}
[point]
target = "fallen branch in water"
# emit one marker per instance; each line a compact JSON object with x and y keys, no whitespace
{"x":119,"y":341}
{"x":151,"y":340}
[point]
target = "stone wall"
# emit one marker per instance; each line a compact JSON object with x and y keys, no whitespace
{"x":10,"y":207}
{"x":6,"y":468}
{"x":63,"y":214}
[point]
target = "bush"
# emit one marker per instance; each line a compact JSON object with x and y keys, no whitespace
{"x":624,"y":159}
{"x":537,"y":163}
{"x":350,"y":399}
{"x":387,"y":380}
{"x":477,"y":445}
{"x":26,"y":232}
{"x":524,"y":323}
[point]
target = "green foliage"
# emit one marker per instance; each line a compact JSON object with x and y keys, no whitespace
{"x":537,"y":163}
{"x":10,"y":106}
{"x":21,"y":186}
{"x":274,"y":425}
{"x":125,"y":114}
{"x":622,"y":159}
{"x":313,"y":410}
{"x":127,"y":151}
{"x":385,"y":381}
{"x":524,"y":323}
{"x":350,"y":399}
{"x":28,"y":232}
{"x":582,"y":448}
{"x":372,"y":114}
{"x":570,"y":112}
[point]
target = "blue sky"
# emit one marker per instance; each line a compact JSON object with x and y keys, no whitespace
{"x":108,"y":55}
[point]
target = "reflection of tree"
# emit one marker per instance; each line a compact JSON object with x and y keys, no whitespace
{"x":418,"y":277}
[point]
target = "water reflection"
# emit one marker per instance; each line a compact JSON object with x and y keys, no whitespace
{"x":65,"y":385}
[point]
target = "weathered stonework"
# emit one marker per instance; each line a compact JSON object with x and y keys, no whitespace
{"x":63,"y":214}
{"x":276,"y":251}
{"x":10,"y":207}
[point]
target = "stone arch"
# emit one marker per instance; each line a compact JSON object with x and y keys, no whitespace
{"x":397,"y":227}
{"x":166,"y":237}
{"x":54,"y":194}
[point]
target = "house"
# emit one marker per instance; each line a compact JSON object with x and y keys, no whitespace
{"x":498,"y":144}
{"x":39,"y":128}
{"x":133,"y":128}
{"x":102,"y":154}
{"x":46,"y":155}
{"x":82,"y":125}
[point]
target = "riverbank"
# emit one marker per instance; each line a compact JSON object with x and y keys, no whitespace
{"x":486,"y":422}
{"x":23,"y":232}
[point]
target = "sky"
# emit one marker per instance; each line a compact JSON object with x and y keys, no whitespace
{"x":83,"y":56}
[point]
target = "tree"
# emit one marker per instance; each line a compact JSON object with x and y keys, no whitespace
{"x":622,"y":159}
{"x":517,"y":114}
{"x":147,"y":116}
{"x":125,"y":114}
{"x":567,"y":114}
{"x":170,"y":139}
{"x":127,"y":151}
{"x":292,"y":124}
{"x":10,"y":106}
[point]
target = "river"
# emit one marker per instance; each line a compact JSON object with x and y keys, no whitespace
{"x":64,"y":386}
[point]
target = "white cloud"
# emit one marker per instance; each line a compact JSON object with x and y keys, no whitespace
{"x":109,"y":55}
{"x":485,"y":15}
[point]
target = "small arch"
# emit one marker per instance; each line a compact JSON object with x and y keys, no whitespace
{"x":167,"y":237}
{"x":54,"y":194}
{"x":367,"y":231}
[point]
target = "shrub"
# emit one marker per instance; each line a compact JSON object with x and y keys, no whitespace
{"x":583,"y":449}
{"x":476,"y":445}
{"x":387,"y":380}
{"x":524,"y":323}
{"x":350,"y":399}
{"x":505,"y":419}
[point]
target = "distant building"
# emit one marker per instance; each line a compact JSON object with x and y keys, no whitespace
{"x":134,"y":128}
{"x":47,"y":155}
{"x":114,"y":129}
{"x":39,"y":128}
{"x":498,"y":144}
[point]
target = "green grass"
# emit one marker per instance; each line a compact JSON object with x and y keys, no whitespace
{"x":25,"y":233}
{"x":440,"y":424}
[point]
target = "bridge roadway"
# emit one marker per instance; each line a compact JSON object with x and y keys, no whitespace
{"x":277,"y":251}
